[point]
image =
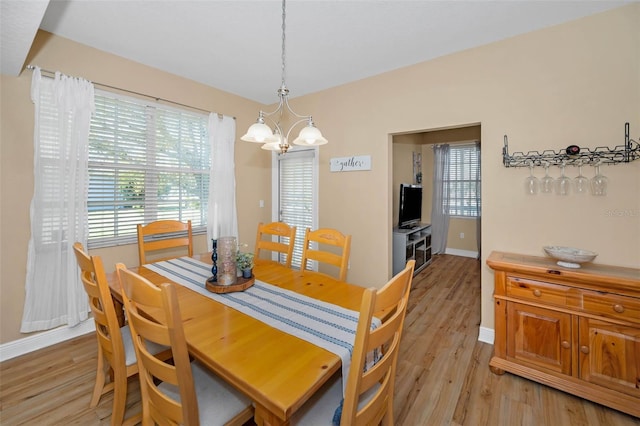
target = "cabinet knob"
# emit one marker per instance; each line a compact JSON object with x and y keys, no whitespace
{"x":618,"y":308}
{"x":565,"y":344}
{"x":584,"y":349}
{"x":537,"y":293}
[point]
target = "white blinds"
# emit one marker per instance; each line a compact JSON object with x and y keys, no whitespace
{"x":463,"y":180}
{"x":147,"y":162}
{"x":297,"y":195}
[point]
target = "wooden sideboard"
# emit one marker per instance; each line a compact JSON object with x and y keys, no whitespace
{"x":577,"y":330}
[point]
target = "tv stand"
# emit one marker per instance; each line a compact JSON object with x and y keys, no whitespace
{"x":412,"y":243}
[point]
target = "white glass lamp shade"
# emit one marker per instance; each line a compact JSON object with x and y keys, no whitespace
{"x":275,"y":142}
{"x":310,"y":136}
{"x":271,"y":146}
{"x":258,"y":132}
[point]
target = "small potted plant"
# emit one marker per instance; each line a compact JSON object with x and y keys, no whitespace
{"x":244,"y":262}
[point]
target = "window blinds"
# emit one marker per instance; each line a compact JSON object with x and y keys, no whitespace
{"x":297,"y":195}
{"x":147,"y":162}
{"x":464,"y":180}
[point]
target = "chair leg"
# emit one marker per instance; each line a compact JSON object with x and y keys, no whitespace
{"x":387,"y":420}
{"x":119,"y":398}
{"x":100,"y":380}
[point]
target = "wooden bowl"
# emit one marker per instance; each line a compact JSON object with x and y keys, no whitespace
{"x":241,"y":285}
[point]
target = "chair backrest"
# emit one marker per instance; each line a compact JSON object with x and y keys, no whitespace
{"x":170,"y":235}
{"x":139,"y":296}
{"x":280,"y":230}
{"x":330,"y":237}
{"x":377,"y":381}
{"x":94,"y":280}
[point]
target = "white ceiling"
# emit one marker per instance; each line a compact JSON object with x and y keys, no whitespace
{"x":236,"y":45}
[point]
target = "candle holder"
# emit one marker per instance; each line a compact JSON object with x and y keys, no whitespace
{"x":214,"y":258}
{"x":227,"y":271}
{"x":227,"y":281}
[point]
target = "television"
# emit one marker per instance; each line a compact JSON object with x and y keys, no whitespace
{"x":410,"y":212}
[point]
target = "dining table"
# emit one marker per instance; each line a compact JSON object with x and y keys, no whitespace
{"x":276,"y":370}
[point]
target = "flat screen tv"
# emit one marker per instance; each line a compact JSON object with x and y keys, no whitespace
{"x":410,"y":212}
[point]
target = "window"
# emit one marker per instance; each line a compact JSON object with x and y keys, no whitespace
{"x":147,"y":162}
{"x":297,"y":194}
{"x":463,"y":180}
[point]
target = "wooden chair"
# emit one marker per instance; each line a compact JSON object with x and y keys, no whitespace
{"x":330,"y":237}
{"x":182,"y":392}
{"x":368,"y":396}
{"x":171,"y":235}
{"x":116,"y":355}
{"x":280,"y":230}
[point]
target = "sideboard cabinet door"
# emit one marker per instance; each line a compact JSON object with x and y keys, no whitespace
{"x":539,"y":337}
{"x":610,"y":355}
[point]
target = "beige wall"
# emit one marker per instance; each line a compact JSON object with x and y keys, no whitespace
{"x":574,"y":83}
{"x":253,"y":166}
{"x":403,"y":148}
{"x":462,"y":235}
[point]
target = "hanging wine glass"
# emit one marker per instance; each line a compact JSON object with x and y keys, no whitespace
{"x":599,"y":182}
{"x":531,"y":183}
{"x":581,"y":183}
{"x":546,"y":185}
{"x":563,"y":183}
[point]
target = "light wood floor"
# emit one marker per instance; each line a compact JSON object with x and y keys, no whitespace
{"x":443,"y":373}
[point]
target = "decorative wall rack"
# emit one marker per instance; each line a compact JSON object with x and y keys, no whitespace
{"x":574,"y":155}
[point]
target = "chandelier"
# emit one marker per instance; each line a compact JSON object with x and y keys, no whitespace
{"x":277,"y":139}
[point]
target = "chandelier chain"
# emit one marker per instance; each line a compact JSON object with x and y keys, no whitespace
{"x":278,"y":140}
{"x":283,"y":42}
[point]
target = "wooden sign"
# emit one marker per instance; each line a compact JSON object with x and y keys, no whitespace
{"x":350,"y":164}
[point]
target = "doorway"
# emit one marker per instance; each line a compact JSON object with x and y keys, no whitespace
{"x":463,"y":236}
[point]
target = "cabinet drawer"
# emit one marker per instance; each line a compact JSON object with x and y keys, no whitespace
{"x":537,"y":291}
{"x":611,"y":305}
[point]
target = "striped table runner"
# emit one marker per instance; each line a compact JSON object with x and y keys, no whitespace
{"x":325,"y":325}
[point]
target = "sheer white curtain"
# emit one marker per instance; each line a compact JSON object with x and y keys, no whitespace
{"x":54,"y":293}
{"x":440,"y":200}
{"x":222,"y":216}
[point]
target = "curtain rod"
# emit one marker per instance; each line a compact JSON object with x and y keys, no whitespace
{"x":52,"y":73}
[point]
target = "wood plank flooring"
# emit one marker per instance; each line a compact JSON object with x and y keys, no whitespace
{"x":443,"y":374}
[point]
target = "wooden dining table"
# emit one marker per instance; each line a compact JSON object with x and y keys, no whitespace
{"x":276,"y":370}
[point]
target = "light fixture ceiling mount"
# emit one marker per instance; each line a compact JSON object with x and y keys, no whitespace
{"x":278,"y":140}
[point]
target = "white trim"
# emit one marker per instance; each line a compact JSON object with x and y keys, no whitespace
{"x":275,"y":197}
{"x":463,"y":253}
{"x":486,"y":335}
{"x":42,"y":340}
{"x":275,"y":188}
{"x":275,"y":192}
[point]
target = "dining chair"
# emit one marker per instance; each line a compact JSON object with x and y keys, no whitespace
{"x":180,"y":392}
{"x":324,"y":237}
{"x":116,"y":355}
{"x":369,"y":390}
{"x":280,"y":230}
{"x":163,"y":235}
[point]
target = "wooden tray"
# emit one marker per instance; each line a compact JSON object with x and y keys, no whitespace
{"x":241,"y":285}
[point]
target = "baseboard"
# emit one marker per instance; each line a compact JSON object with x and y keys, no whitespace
{"x":42,"y":340}
{"x":486,"y":335}
{"x":463,"y":253}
